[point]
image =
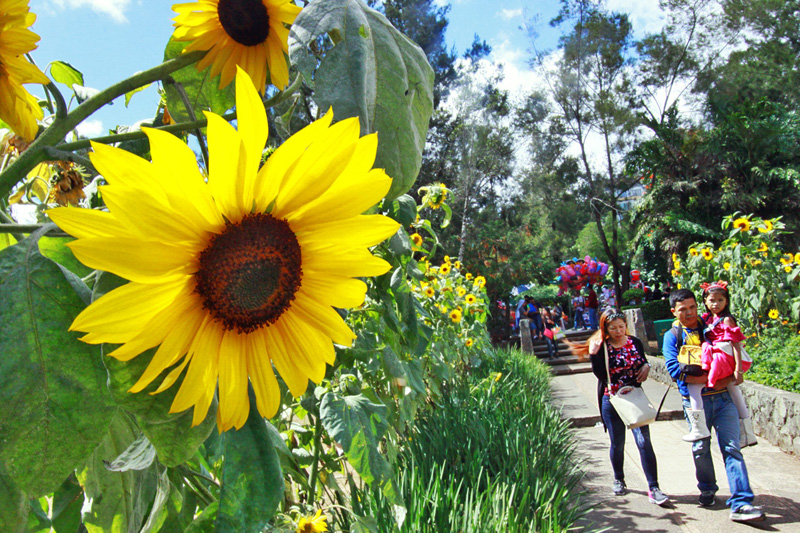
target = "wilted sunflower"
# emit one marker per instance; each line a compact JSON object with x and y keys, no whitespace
{"x":741,"y":224}
{"x":18,"y":108}
{"x":234,"y":275}
{"x":250,"y":34}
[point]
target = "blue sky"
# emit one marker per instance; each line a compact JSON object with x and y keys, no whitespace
{"x":108,"y":40}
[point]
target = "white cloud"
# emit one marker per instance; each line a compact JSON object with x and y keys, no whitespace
{"x":91,"y":128}
{"x":645,"y":15}
{"x":509,"y":14}
{"x":113,"y":8}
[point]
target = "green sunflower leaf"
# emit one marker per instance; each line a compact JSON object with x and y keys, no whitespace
{"x":252,"y":482}
{"x":117,"y":501}
{"x":373,"y":72}
{"x":202,"y":91}
{"x":172,"y":434}
{"x":65,"y":73}
{"x":13,"y":504}
{"x":358,"y":425}
{"x":57,"y":407}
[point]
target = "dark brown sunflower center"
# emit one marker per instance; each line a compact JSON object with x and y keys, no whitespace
{"x":250,"y":272}
{"x":246,"y":21}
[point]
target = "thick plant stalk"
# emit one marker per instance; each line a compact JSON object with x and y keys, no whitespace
{"x":61,"y":126}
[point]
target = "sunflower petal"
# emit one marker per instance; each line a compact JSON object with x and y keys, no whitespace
{"x":82,"y":223}
{"x":337,"y":291}
{"x":296,"y":380}
{"x":259,"y":366}
{"x":135,"y":260}
{"x":358,"y":231}
{"x":232,"y":381}
{"x":203,"y":370}
{"x":324,"y":317}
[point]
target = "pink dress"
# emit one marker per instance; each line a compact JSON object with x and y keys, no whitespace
{"x":717,"y":357}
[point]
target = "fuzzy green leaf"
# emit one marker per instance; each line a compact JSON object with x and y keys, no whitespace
{"x":201,"y":89}
{"x":63,"y":72}
{"x":373,"y":72}
{"x":57,"y":407}
{"x":116,"y":501}
{"x":358,"y":425}
{"x":252,"y":482}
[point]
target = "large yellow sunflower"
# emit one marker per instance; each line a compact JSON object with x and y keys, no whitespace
{"x":233,"y":276}
{"x":18,"y":108}
{"x":248,"y":33}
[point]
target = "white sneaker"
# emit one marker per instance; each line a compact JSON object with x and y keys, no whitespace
{"x":697,"y":420}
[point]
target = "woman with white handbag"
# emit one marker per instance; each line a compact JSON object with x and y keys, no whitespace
{"x":619,"y":362}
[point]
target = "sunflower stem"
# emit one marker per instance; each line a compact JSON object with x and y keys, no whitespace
{"x":61,"y":155}
{"x":29,"y":228}
{"x":312,"y":480}
{"x":63,"y":125}
{"x":192,"y":116}
{"x":61,"y":104}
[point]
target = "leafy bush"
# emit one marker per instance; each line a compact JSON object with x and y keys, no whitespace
{"x":546,"y":294}
{"x":655,"y":310}
{"x":764,"y":279}
{"x":776,"y":358}
{"x":495,"y":456}
{"x":632,"y":295}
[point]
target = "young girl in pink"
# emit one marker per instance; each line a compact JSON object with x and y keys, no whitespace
{"x":723,"y":356}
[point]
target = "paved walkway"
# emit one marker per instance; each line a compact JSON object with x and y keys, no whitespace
{"x":774,"y":475}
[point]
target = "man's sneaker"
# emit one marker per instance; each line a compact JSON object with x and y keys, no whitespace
{"x":657,"y":497}
{"x":619,"y":488}
{"x":706,"y":498}
{"x":747,"y":513}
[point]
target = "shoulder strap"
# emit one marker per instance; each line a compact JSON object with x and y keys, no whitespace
{"x":608,"y":370}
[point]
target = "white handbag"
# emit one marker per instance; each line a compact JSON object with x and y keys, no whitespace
{"x":630,"y":403}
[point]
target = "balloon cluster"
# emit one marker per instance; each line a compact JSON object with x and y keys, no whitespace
{"x":576,"y":273}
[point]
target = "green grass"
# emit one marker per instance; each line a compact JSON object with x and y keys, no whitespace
{"x":494,"y":456}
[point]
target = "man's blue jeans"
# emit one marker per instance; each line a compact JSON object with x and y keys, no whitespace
{"x":721,"y":414}
{"x":616,"y":432}
{"x":579,"y":319}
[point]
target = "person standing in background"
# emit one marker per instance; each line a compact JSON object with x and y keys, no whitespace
{"x":592,"y":305}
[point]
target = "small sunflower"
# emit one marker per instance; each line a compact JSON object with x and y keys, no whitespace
{"x":742,"y":224}
{"x":468,"y":276}
{"x":755,"y":262}
{"x":313,"y":524}
{"x":675,"y":273}
{"x":470,"y":299}
{"x":707,"y":254}
{"x":18,"y":108}
{"x":677,"y":264}
{"x":726,"y":265}
{"x":693,"y":252}
{"x":479,"y":282}
{"x":416,"y":238}
{"x":787,"y":259}
{"x":787,"y":269}
{"x":250,"y":34}
{"x":457,"y":265}
{"x":675,"y":257}
{"x":763,"y":247}
{"x":455,"y":316}
{"x":444,"y":269}
{"x":773,"y":314}
{"x":234,"y":275}
{"x":461,"y":291}
{"x":797,"y":258}
{"x":447,"y":259}
{"x":469,"y":342}
{"x":429,"y":292}
{"x":766,"y":226}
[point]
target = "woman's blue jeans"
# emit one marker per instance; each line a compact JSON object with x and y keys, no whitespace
{"x":616,"y":432}
{"x":721,"y":414}
{"x":552,"y":347}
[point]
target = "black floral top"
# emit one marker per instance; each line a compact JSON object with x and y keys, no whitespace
{"x":624,"y":362}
